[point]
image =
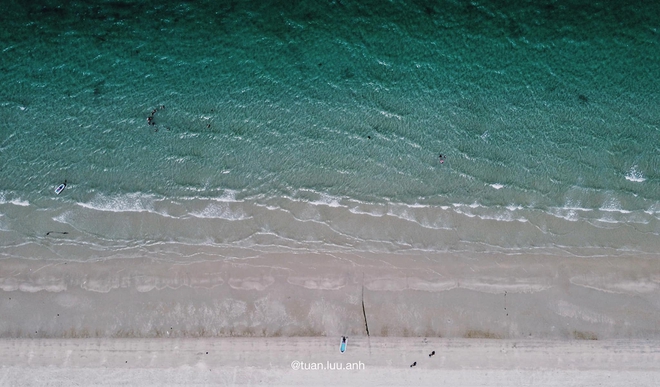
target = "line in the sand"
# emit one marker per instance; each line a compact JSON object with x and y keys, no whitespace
{"x":364,"y":312}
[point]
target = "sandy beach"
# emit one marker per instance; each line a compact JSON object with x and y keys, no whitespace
{"x":317,"y":361}
{"x":490,"y":296}
{"x":493,"y":320}
{"x":246,"y":182}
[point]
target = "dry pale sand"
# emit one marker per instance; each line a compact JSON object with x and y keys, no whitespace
{"x":493,"y":319}
{"x":377,"y":361}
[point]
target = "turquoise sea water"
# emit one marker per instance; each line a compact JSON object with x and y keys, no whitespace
{"x":317,"y":125}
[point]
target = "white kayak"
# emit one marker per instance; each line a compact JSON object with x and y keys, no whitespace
{"x":60,"y":188}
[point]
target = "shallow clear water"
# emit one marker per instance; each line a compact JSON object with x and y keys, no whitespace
{"x":318,"y":125}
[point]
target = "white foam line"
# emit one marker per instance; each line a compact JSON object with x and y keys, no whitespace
{"x":615,"y":210}
{"x":634,"y":175}
{"x":573,"y":209}
{"x":316,"y":283}
{"x":128,"y":210}
{"x":358,"y":212}
{"x":497,"y":286}
{"x":611,"y":221}
{"x":617,"y":288}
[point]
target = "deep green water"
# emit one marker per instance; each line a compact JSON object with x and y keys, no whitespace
{"x":318,"y":125}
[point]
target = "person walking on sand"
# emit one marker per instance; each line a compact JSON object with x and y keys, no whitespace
{"x":432,"y":353}
{"x":413,"y":364}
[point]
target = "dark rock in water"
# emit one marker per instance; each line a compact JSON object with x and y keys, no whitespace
{"x":583,"y":98}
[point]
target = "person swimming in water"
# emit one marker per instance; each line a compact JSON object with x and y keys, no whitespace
{"x":442,"y":159}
